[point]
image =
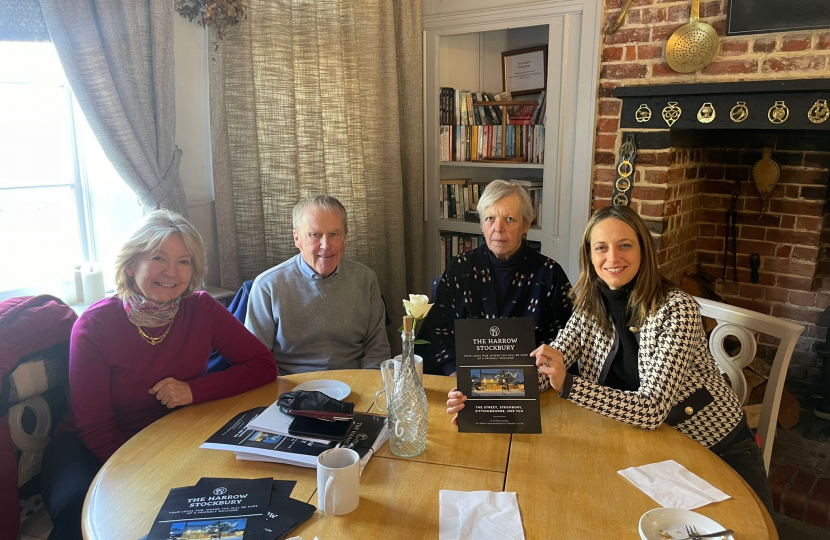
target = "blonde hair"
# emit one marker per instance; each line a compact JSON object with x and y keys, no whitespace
{"x":148,"y":236}
{"x":499,"y":189}
{"x":649,"y":293}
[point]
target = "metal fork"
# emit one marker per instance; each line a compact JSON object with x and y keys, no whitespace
{"x":691,"y":530}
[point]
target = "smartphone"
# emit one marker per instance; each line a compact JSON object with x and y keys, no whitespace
{"x":303,"y":426}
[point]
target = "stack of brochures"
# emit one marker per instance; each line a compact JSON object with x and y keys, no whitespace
{"x":259,"y":509}
{"x":261,"y":434}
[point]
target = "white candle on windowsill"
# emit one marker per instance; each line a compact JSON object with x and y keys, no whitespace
{"x":93,"y":284}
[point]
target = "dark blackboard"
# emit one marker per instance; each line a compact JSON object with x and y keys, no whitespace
{"x":762,"y":16}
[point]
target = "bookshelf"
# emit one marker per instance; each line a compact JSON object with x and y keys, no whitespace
{"x":463,"y":51}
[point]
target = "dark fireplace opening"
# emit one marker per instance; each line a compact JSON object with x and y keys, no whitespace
{"x":764,"y":247}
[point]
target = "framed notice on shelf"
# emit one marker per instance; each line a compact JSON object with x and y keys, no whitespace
{"x":525,"y":71}
{"x":498,"y":376}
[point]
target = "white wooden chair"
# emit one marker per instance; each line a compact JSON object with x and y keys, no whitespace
{"x":743,"y":324}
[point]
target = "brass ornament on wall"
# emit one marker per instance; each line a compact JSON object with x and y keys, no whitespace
{"x":671,"y":113}
{"x":623,"y":184}
{"x":620,"y":200}
{"x":625,"y":170}
{"x":778,"y":113}
{"x":643,"y":113}
{"x":819,"y":112}
{"x":706,"y":113}
{"x":766,"y":173}
{"x":739,"y":112}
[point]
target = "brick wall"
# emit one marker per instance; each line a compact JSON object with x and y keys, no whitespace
{"x":787,"y":237}
{"x":683,"y":193}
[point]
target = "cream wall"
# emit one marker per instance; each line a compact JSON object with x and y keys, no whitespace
{"x":193,"y":133}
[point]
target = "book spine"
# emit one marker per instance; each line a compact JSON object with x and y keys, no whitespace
{"x":443,"y":254}
{"x":476,"y":116}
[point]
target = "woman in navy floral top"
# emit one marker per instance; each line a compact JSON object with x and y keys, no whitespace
{"x":504,"y":278}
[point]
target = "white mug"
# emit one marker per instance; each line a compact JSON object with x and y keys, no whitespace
{"x":389,"y":370}
{"x":338,"y":481}
{"x":419,"y":366}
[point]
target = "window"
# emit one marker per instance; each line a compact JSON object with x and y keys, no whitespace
{"x":61,"y":200}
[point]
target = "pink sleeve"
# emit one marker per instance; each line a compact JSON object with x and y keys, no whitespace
{"x":253,"y":364}
{"x":90,"y":394}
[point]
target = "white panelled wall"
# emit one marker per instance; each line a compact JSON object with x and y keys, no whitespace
{"x":193,"y":133}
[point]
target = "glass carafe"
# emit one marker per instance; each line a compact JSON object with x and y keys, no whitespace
{"x":407,"y":410}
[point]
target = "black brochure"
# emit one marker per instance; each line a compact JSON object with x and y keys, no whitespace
{"x":366,"y":434}
{"x":226,"y":508}
{"x":497,"y":374}
{"x":280,"y":488}
{"x":285,"y":515}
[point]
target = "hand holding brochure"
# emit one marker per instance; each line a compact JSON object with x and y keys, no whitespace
{"x":497,"y":374}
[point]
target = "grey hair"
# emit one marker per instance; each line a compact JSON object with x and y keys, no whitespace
{"x":499,"y":189}
{"x":323,"y":202}
{"x":148,"y":236}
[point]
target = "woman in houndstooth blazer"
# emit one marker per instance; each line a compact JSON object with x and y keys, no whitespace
{"x":641,"y":349}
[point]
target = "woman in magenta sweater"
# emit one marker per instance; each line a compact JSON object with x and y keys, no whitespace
{"x":139,"y":354}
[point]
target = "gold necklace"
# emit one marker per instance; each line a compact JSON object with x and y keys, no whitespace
{"x":155,"y":340}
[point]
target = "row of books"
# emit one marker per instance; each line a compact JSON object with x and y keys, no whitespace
{"x":482,"y":143}
{"x":459,"y":198}
{"x":459,"y":108}
{"x":454,"y":244}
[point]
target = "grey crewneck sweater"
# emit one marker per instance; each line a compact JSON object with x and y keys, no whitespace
{"x":317,"y":324}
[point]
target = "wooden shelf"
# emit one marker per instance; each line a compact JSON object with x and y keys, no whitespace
{"x":468,"y":227}
{"x":492,"y":165}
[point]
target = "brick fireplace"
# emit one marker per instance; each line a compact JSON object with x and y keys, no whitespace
{"x":684,"y":179}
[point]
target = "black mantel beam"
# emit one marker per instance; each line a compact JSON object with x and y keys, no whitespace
{"x":799,"y":97}
{"x":749,"y":87}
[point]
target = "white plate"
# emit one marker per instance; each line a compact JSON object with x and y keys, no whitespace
{"x":670,"y":523}
{"x":333,"y":389}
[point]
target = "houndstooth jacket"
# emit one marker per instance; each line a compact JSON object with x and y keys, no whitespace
{"x":680,"y":384}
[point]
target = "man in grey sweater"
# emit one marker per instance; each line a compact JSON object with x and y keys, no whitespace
{"x":316,"y":310}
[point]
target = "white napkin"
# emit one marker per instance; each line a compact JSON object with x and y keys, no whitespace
{"x":479,"y":515}
{"x":673,"y":486}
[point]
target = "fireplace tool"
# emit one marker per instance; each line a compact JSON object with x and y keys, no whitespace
{"x":766,"y":173}
{"x":732,"y":218}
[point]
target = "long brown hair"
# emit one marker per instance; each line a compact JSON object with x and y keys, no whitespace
{"x":649,"y":293}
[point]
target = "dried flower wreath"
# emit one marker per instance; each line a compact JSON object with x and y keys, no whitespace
{"x":217,"y":13}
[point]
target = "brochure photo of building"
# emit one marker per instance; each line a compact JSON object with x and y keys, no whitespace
{"x":208,"y":529}
{"x":495,"y":383}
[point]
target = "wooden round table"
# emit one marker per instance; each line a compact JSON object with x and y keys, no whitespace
{"x":566,"y":478}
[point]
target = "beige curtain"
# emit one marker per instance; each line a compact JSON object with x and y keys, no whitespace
{"x":320,"y":96}
{"x":118,"y":58}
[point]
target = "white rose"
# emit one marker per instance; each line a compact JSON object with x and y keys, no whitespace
{"x":417,"y":306}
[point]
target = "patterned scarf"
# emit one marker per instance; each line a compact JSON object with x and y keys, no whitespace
{"x":145,"y":312}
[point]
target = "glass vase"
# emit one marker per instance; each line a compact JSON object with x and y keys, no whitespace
{"x":408,"y":411}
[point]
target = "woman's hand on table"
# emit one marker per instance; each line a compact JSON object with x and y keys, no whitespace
{"x":551,"y":363}
{"x":455,"y":402}
{"x":172,"y":393}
